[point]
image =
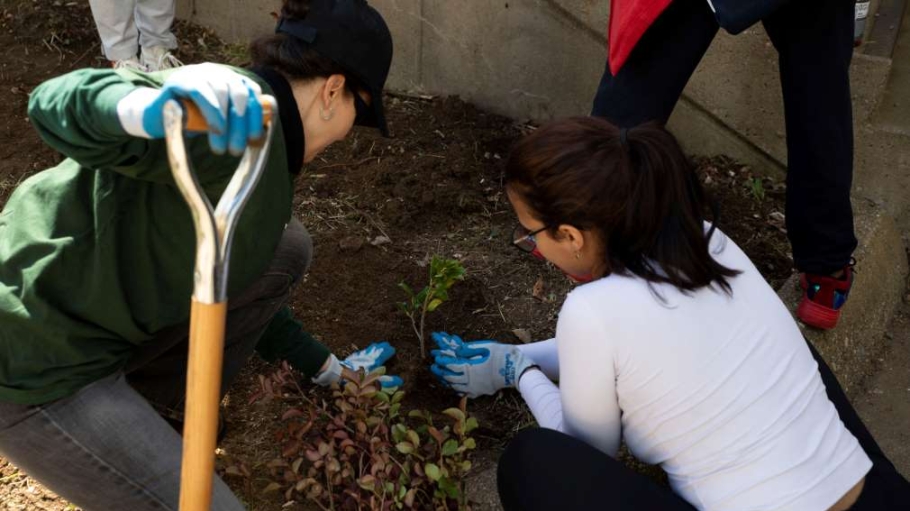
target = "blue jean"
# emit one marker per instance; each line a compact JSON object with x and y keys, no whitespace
{"x":107,"y":447}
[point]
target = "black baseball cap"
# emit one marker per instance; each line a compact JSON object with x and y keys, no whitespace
{"x":354,"y":36}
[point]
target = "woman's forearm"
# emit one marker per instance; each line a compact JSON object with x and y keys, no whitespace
{"x":543,"y":353}
{"x":543,"y":398}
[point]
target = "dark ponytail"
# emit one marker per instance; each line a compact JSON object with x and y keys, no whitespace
{"x":636,"y":189}
{"x":293,"y":58}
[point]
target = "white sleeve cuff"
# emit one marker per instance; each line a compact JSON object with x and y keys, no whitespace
{"x":131,"y":108}
{"x":331,"y":374}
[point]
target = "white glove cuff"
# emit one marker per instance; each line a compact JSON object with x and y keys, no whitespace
{"x":131,"y":108}
{"x":521,"y":364}
{"x":331,"y":374}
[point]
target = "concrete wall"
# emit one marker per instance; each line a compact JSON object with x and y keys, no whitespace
{"x":541,"y":59}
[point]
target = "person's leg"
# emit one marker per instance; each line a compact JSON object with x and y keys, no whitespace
{"x":155,"y":19}
{"x":814,"y":39}
{"x":545,"y":469}
{"x":884,"y":488}
{"x":86,"y":448}
{"x":117,"y":28}
{"x":158,"y":370}
{"x":844,"y":409}
{"x":652,"y":79}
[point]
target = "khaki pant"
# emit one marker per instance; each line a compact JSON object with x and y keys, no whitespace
{"x":125,"y":25}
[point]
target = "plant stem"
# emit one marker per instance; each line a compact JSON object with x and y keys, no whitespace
{"x":416,"y":332}
{"x":423,"y":316}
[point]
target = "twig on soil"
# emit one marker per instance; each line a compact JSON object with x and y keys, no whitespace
{"x":503,"y":316}
{"x":368,"y":218}
{"x":411,"y":95}
{"x":86,"y":52}
{"x":352,"y":165}
{"x":12,"y":477}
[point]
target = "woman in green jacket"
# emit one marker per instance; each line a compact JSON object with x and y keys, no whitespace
{"x":96,"y":254}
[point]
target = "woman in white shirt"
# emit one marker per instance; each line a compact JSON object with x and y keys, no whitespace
{"x":674,"y":344}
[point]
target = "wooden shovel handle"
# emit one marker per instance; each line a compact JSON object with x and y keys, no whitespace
{"x":195,"y":121}
{"x":203,"y":396}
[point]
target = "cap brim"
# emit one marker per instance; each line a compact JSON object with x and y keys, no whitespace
{"x":372,"y":115}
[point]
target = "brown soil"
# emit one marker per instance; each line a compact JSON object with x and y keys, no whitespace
{"x":432,"y":189}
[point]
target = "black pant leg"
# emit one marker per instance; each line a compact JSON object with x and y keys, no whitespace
{"x":844,"y":409}
{"x":548,"y":470}
{"x":652,"y":79}
{"x":885,"y":488}
{"x":814,"y":40}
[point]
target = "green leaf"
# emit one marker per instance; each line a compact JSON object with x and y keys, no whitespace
{"x":450,"y":487}
{"x":399,"y":432}
{"x":470,"y":425}
{"x":414,"y":438}
{"x":416,"y":414}
{"x":454,"y":413}
{"x":405,"y":447}
{"x":393,"y":410}
{"x":398,"y":396}
{"x":367,"y":482}
{"x":432,"y":471}
{"x":383,"y":397}
{"x":434,"y":304}
{"x":466,"y":465}
{"x":407,"y":289}
{"x":450,"y":447}
{"x":469,"y":443}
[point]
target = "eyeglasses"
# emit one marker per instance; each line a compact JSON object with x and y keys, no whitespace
{"x":524,"y":239}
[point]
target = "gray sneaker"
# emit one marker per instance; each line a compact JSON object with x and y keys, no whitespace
{"x":159,"y":58}
{"x":131,"y":63}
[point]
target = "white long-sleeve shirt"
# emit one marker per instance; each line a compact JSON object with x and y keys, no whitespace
{"x":720,"y":390}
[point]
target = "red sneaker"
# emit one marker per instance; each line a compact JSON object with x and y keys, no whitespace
{"x":823,"y":297}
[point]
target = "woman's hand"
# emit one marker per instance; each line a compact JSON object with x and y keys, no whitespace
{"x":230,"y":103}
{"x":477,"y":368}
{"x":368,"y":359}
{"x":372,"y":357}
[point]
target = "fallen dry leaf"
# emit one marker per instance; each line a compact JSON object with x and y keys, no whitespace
{"x":537,"y":290}
{"x":522,"y":334}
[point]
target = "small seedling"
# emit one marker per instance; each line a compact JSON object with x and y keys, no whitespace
{"x":443,"y":275}
{"x":757,"y":188}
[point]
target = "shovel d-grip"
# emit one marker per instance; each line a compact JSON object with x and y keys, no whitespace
{"x":214,"y":232}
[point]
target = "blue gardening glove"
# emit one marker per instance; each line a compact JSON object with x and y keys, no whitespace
{"x":368,"y":359}
{"x":230,"y":103}
{"x":448,"y":342}
{"x":477,"y":368}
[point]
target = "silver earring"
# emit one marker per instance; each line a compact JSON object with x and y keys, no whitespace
{"x":577,"y":255}
{"x":326,"y":116}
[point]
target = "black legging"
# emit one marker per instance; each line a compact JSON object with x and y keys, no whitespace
{"x":546,"y":470}
{"x":814,"y":42}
